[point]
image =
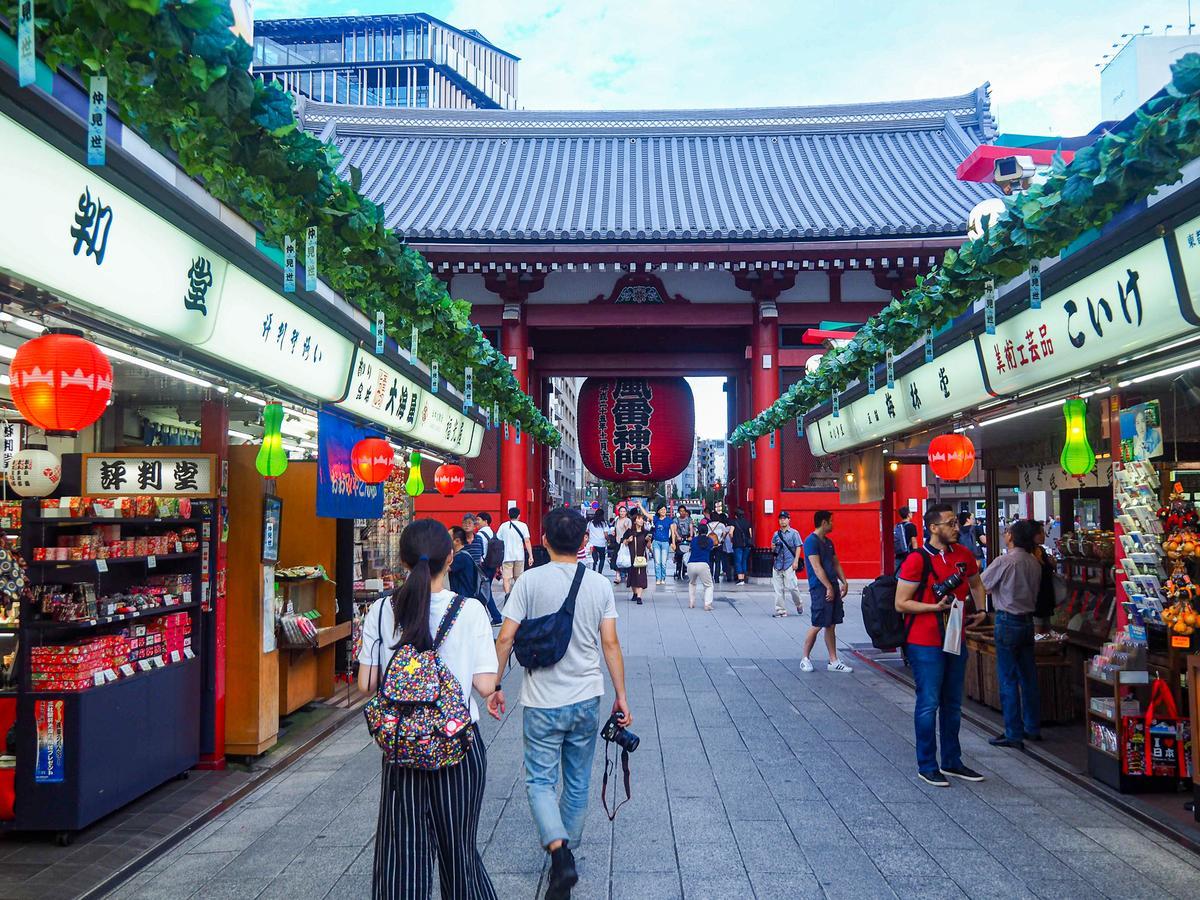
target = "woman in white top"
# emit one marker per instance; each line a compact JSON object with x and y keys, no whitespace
{"x":426,"y":812}
{"x":598,"y":540}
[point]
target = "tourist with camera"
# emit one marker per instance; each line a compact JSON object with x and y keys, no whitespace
{"x":928,"y":583}
{"x":559,"y":619}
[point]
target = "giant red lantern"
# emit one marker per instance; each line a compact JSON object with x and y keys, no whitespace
{"x":372,"y":460}
{"x":449,"y":479}
{"x":60,"y":382}
{"x":951,"y":456}
{"x":636,"y":429}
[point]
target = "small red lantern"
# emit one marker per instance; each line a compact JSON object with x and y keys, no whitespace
{"x":951,"y":456}
{"x":60,"y":382}
{"x":372,"y":460}
{"x":449,"y":479}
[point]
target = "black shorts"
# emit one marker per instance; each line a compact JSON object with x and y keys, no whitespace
{"x":826,"y":612}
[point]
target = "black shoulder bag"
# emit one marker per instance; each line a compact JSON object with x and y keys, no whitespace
{"x":543,"y":641}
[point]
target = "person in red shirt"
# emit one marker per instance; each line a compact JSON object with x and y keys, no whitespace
{"x":939,"y":675}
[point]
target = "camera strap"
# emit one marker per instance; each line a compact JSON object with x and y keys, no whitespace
{"x":610,"y":766}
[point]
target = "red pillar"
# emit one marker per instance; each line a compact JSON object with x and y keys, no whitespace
{"x":536,"y":456}
{"x":214,"y":438}
{"x":514,"y":457}
{"x":764,"y":390}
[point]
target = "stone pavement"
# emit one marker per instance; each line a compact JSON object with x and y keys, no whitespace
{"x":753,"y":780}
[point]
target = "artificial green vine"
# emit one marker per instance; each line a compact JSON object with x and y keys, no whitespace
{"x":1122,"y":167}
{"x":180,"y":76}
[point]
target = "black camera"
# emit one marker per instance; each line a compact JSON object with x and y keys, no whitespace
{"x":943,"y":589}
{"x":615,"y":733}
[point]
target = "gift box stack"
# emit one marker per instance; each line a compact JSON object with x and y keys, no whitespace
{"x":73,"y":667}
{"x":147,"y":507}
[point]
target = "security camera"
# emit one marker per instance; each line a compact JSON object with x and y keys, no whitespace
{"x":1013,"y":173}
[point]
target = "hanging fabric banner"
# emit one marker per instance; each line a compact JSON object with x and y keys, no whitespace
{"x":1035,"y":285}
{"x":836,"y":406}
{"x":891,"y":369}
{"x":433,"y":377}
{"x":380,"y":332}
{"x":97,"y":119}
{"x":989,"y":306}
{"x":412,"y":347}
{"x":310,"y":258}
{"x":929,"y":345}
{"x":289,"y":265}
{"x":468,"y":388}
{"x":27,"y":66}
{"x":871,"y":380}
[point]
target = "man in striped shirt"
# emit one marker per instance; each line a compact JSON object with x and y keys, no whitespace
{"x":477,"y":546}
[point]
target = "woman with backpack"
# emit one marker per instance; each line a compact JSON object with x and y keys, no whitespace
{"x":424,"y":638}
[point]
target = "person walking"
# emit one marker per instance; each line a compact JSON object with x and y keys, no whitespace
{"x":661,"y":527}
{"x":905,"y":537}
{"x":743,"y":541}
{"x":620,"y":529}
{"x":425,"y":815}
{"x":1013,"y":580}
{"x":638,"y":539}
{"x":938,"y":675}
{"x":716,"y":559}
{"x":787,"y":546}
{"x":518,"y":551}
{"x":597,"y":532}
{"x":827,"y":589}
{"x":561,"y":717}
{"x":476,"y":545}
{"x":698,"y":569}
{"x":464,"y":572}
{"x":681,"y":539}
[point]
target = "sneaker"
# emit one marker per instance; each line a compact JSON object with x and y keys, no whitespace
{"x":496,"y":623}
{"x":563,"y":874}
{"x":1005,"y":742}
{"x":936,"y":778}
{"x":799,"y":609}
{"x":779,"y":614}
{"x":838,"y":666}
{"x":806,"y":665}
{"x":964,"y":773}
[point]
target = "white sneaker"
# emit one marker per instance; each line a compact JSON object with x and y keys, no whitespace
{"x":837,"y":666}
{"x":806,"y":665}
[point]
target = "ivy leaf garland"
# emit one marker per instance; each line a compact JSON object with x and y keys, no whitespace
{"x":1120,"y":168}
{"x":181,"y":78}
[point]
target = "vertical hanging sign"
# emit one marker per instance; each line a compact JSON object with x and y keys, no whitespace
{"x":799,"y":427}
{"x":468,"y":388}
{"x":496,"y":413}
{"x":871,"y":380}
{"x":380,"y":332}
{"x":928,"y":345}
{"x":506,"y":431}
{"x":1035,"y":285}
{"x":97,"y":119}
{"x":836,"y":406}
{"x":412,"y":349}
{"x":890,"y":360}
{"x":27,"y":66}
{"x":772,"y":440}
{"x":518,"y":426}
{"x":433,"y":377}
{"x":289,"y":265}
{"x":989,"y":306}
{"x":310,"y":258}
{"x":754,"y":449}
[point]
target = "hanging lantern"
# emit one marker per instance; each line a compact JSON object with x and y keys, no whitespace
{"x":951,"y":456}
{"x":272,"y":460}
{"x":34,"y":472}
{"x":636,"y":429}
{"x":372,"y":460}
{"x":60,"y":382}
{"x":415,"y":485}
{"x":449,"y":479}
{"x":1077,"y":458}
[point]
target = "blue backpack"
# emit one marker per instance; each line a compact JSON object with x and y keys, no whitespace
{"x":543,"y":641}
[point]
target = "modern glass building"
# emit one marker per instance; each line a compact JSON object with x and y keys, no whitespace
{"x":409,"y":60}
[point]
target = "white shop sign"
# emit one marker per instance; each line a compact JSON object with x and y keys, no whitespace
{"x":1051,"y":477}
{"x":124,"y":475}
{"x":441,"y":425}
{"x":1187,"y":237}
{"x":380,"y":394}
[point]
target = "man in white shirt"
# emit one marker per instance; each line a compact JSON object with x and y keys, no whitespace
{"x":562,"y":702}
{"x":518,"y":551}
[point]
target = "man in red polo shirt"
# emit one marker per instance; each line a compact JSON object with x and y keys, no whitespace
{"x":938,"y":675}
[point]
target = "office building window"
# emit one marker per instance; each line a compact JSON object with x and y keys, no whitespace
{"x":348,"y":47}
{"x":354,"y":94}
{"x":377,"y":40}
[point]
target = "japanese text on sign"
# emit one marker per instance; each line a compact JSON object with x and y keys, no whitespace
{"x":631,"y":412}
{"x":148,"y":475}
{"x":97,"y":119}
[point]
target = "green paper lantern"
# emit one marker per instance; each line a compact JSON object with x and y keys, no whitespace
{"x":272,"y":460}
{"x":1078,"y":458}
{"x":415,"y":486}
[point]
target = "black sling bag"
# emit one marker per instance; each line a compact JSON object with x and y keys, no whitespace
{"x":543,"y":641}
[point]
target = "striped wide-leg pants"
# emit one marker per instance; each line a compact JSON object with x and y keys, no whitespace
{"x":422,"y":813}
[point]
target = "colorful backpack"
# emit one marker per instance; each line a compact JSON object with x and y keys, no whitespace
{"x":418,"y":716}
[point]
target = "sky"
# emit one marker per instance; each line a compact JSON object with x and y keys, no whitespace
{"x":1039,"y":58}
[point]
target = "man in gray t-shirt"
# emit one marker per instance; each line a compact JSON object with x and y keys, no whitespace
{"x":562,"y":701}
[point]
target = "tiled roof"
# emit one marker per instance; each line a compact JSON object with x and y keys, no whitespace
{"x":852,"y":171}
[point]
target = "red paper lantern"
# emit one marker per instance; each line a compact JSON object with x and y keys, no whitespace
{"x":449,"y":479}
{"x":951,"y":456}
{"x":636,"y":429}
{"x":60,"y":382}
{"x":372,"y":460}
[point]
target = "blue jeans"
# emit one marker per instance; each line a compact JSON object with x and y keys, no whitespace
{"x":1017,"y":673}
{"x":662,"y":551}
{"x":565,"y":737}
{"x":741,"y":560}
{"x":939,"y":677}
{"x":487,"y":598}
